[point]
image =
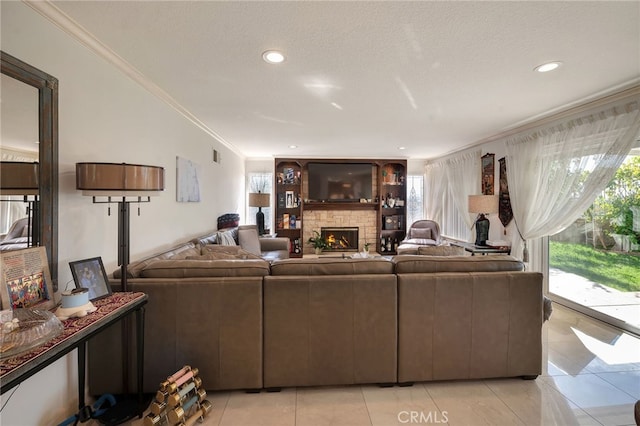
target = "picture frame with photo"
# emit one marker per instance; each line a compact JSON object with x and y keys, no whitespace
{"x":90,"y":274}
{"x":289,"y":203}
{"x":26,"y":280}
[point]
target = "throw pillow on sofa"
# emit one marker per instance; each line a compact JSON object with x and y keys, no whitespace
{"x":226,"y":238}
{"x":422,"y":233}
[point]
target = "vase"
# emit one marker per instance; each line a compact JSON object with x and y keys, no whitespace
{"x":318,"y":250}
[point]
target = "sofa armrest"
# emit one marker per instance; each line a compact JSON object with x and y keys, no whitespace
{"x":274,"y":244}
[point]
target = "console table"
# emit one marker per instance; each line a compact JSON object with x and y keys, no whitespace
{"x":76,"y":333}
{"x":484,"y":250}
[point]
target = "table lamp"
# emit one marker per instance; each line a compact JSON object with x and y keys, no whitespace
{"x":483,"y":205}
{"x":259,"y":200}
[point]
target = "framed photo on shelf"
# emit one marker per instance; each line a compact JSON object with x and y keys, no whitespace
{"x":26,"y":280}
{"x":289,"y":203}
{"x":90,"y":274}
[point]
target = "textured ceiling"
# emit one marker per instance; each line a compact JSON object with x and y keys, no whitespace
{"x":364,"y":78}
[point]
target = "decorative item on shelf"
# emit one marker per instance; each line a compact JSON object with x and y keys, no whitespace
{"x":296,"y":246}
{"x":482,"y":205}
{"x":259,"y":200}
{"x":383,"y":244}
{"x":318,"y":242}
{"x":19,"y":178}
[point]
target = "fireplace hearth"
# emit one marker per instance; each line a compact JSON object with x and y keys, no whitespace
{"x":341,"y":238}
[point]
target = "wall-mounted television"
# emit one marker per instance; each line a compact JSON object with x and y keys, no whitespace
{"x":340,"y":182}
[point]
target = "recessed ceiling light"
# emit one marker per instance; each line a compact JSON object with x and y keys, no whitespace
{"x":293,"y":146}
{"x":549,"y":66}
{"x":273,"y":57}
{"x":401,"y":148}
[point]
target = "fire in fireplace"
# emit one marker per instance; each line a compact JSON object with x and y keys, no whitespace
{"x":341,"y":238}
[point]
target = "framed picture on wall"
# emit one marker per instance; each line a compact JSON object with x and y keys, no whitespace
{"x":488,"y":170}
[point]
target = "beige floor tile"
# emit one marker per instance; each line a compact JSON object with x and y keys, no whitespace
{"x":400,"y":405}
{"x":627,"y":381}
{"x":599,"y":398}
{"x":535,"y":403}
{"x":264,"y":408}
{"x":470,"y":403}
{"x":334,"y":406}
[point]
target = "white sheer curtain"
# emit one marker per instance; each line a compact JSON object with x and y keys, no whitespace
{"x":556,"y":172}
{"x":435,"y":186}
{"x":463,"y":175}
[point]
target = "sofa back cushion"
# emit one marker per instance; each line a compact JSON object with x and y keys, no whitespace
{"x":214,"y":252}
{"x":211,"y":268}
{"x":331,"y":266}
{"x":412,"y":264}
{"x":248,"y":239}
{"x":179,"y":252}
{"x":441,"y":250}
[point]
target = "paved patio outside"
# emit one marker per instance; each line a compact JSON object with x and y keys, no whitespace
{"x":618,"y":304}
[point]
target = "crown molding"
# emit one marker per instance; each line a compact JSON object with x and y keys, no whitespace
{"x":84,"y":37}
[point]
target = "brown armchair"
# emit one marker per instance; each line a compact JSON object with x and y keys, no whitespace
{"x":421,"y":233}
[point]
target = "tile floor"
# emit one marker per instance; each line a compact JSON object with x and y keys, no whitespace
{"x":591,"y":376}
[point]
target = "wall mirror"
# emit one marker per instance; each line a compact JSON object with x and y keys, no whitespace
{"x":30,"y":133}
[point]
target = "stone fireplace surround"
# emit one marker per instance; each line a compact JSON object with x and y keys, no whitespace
{"x":364,"y":220}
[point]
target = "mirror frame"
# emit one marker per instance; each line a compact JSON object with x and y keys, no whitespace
{"x":47,"y":86}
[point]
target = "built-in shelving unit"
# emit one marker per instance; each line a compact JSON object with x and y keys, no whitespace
{"x":289,"y":208}
{"x":389,"y":196}
{"x":392,"y":177}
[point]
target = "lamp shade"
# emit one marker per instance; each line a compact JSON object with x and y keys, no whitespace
{"x":483,"y":203}
{"x":18,"y":178}
{"x":118,"y":179}
{"x":258,"y":199}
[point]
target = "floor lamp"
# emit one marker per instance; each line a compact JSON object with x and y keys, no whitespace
{"x":122,"y":183}
{"x":482,"y":204}
{"x":259,"y":200}
{"x":20,"y":178}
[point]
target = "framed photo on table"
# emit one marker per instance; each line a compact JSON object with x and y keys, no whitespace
{"x":26,"y":280}
{"x":90,"y":274}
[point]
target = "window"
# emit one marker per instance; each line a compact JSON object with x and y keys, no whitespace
{"x":415,"y":199}
{"x":259,"y":182}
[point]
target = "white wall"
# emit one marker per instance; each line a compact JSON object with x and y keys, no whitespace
{"x":104,"y":116}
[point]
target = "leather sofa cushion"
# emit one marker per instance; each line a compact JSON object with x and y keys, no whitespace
{"x":221,"y":254}
{"x":210,"y":268}
{"x":441,"y":250}
{"x":178,"y":252}
{"x":411,"y":264}
{"x":331,"y":266}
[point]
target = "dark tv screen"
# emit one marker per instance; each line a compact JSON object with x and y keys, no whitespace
{"x":339,"y":181}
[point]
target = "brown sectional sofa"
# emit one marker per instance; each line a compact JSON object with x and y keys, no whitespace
{"x":251,"y":324}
